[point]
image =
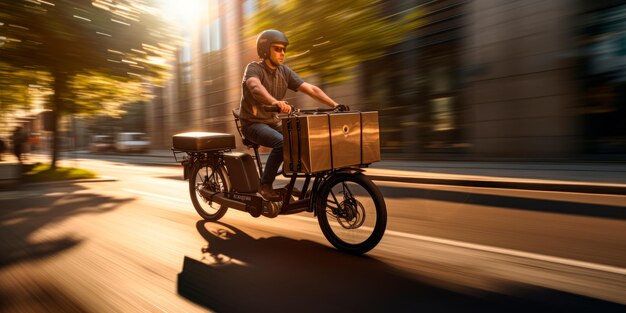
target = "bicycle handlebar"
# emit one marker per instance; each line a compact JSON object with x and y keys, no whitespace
{"x":275,"y":108}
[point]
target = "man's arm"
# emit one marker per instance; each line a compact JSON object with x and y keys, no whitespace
{"x":260,"y":94}
{"x":317,"y":94}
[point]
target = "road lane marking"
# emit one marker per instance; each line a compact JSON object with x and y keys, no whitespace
{"x":155,"y":195}
{"x":448,"y":242}
{"x":136,"y":167}
{"x":185,"y":207}
{"x":510,"y":252}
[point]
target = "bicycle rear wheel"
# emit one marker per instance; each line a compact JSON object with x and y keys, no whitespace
{"x":352,"y":213}
{"x":212,"y":179}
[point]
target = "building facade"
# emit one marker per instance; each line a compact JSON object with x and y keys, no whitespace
{"x":480,"y":79}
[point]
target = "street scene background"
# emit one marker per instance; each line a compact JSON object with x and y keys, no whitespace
{"x":502,"y":136}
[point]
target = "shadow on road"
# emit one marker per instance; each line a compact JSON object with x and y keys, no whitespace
{"x":278,"y":274}
{"x":49,"y":298}
{"x":509,"y":202}
{"x":29,"y":211}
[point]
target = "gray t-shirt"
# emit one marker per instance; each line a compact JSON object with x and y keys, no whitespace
{"x":275,"y":81}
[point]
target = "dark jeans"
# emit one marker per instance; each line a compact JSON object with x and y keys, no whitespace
{"x":267,"y":136}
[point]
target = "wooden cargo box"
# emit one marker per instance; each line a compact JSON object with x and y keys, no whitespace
{"x":320,"y":142}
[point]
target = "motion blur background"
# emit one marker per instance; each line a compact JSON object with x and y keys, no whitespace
{"x":451,"y":79}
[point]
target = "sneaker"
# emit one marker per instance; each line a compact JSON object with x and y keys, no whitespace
{"x":268,"y":193}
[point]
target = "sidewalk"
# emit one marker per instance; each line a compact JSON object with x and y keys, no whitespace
{"x":549,"y":176}
{"x":604,"y":178}
{"x":9,"y":170}
{"x":566,"y":177}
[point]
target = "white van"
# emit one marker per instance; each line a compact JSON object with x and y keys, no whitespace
{"x":132,"y":142}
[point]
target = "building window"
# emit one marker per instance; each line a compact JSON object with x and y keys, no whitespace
{"x":443,"y":119}
{"x":603,"y":64}
{"x":249,"y":7}
{"x":211,"y":37}
{"x":185,"y":51}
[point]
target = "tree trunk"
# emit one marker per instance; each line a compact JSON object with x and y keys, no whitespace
{"x":54,"y":145}
{"x":60,"y":86}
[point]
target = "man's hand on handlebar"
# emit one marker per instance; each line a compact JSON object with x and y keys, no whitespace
{"x":283,"y":105}
{"x":342,"y":108}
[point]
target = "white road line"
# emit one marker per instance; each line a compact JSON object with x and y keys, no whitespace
{"x":449,"y":242}
{"x":155,"y":195}
{"x":137,"y":167}
{"x":510,"y":252}
{"x":522,"y":254}
{"x":179,"y":204}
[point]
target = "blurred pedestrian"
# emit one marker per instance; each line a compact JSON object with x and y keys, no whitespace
{"x":18,"y":139}
{"x":3,"y":147}
{"x":265,"y":82}
{"x":33,"y":141}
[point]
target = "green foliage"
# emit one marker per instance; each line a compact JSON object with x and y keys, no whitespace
{"x":96,"y":93}
{"x":18,"y":86}
{"x":119,"y":40}
{"x":328,"y":38}
{"x":111,"y":44}
{"x":44,"y":172}
{"x":124,"y":38}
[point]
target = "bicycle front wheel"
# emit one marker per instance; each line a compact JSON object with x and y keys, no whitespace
{"x":212,"y":179}
{"x":352,"y":213}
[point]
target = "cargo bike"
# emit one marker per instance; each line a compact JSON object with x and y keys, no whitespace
{"x":327,"y":150}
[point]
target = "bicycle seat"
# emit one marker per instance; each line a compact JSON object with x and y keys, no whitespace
{"x":245,"y":141}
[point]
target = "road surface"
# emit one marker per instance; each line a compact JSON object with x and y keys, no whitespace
{"x":135,"y":244}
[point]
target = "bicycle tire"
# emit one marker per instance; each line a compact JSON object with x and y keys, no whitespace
{"x":351,"y":213}
{"x":199,"y":178}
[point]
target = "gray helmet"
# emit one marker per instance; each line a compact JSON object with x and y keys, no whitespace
{"x":266,"y":39}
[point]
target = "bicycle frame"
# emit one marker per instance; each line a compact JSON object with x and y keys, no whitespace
{"x":304,"y":202}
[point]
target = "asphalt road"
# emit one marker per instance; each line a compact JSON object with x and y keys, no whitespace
{"x":135,"y":244}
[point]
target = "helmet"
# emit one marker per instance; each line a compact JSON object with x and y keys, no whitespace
{"x":266,"y":39}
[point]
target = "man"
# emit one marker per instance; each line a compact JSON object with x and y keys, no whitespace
{"x":18,"y":142}
{"x":2,"y":148}
{"x":265,"y":82}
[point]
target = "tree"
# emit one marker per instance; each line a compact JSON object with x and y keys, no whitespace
{"x":328,"y":38}
{"x":19,"y":90}
{"x":14,"y":85}
{"x":89,"y":47}
{"x":95,"y":93}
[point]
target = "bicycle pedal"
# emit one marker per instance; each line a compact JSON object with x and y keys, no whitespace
{"x":254,"y":211}
{"x":271,"y":209}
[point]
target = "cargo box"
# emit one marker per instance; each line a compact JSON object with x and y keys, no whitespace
{"x":320,"y":142}
{"x":201,"y":141}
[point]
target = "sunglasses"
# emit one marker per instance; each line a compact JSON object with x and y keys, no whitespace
{"x":279,"y":49}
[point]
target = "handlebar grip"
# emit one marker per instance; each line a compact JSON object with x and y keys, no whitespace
{"x":271,"y":108}
{"x":342,"y":108}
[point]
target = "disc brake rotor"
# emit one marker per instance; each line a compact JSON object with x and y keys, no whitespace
{"x":351,"y":214}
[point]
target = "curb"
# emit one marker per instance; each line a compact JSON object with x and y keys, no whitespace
{"x":595,"y":188}
{"x":19,"y":184}
{"x":577,"y":187}
{"x":556,"y":186}
{"x":84,"y":180}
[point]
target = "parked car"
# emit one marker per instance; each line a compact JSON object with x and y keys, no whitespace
{"x":101,"y":143}
{"x":132,"y":142}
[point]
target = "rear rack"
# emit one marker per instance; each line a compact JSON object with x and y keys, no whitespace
{"x":189,"y":153}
